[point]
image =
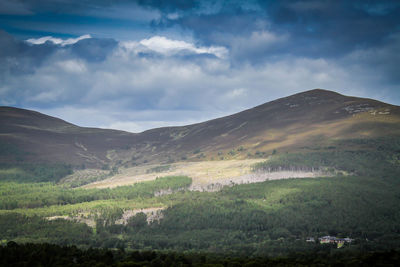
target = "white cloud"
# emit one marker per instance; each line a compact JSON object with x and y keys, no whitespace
{"x":235,"y":93}
{"x":73,"y":66}
{"x":163,"y":45}
{"x":58,"y":41}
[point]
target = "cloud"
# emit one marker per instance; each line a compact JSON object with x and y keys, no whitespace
{"x":22,"y":7}
{"x":315,"y":28}
{"x":128,"y":120}
{"x":236,"y":93}
{"x":171,"y":5}
{"x":165,"y":46}
{"x":93,"y":49}
{"x":258,"y":46}
{"x":72,"y":66}
{"x":137,"y":127}
{"x":14,"y":8}
{"x":131,"y":91}
{"x":20,"y":58}
{"x":57,"y":41}
{"x":378,"y":8}
{"x":384,"y":60}
{"x":311,"y":28}
{"x":17,"y":57}
{"x":335,"y":25}
{"x":311,"y":5}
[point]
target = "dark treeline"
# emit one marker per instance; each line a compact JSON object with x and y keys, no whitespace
{"x":22,"y":229}
{"x":32,"y":255}
{"x":367,"y":157}
{"x":34,"y":172}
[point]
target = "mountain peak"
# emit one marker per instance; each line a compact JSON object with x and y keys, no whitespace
{"x":319,"y":93}
{"x":307,"y":99}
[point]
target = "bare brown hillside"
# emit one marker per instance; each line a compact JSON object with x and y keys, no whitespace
{"x":315,"y":117}
{"x":300,"y":121}
{"x":41,"y":138}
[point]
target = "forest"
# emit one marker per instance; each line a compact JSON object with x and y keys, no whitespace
{"x":265,"y":221}
{"x":53,"y":255}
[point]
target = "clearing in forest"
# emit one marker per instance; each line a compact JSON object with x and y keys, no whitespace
{"x":206,"y":175}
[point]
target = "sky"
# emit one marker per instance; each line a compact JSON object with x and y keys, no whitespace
{"x":141,"y":64}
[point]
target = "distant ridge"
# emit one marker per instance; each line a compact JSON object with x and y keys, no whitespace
{"x":286,"y":124}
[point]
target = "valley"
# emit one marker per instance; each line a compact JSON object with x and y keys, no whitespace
{"x":199,"y":133}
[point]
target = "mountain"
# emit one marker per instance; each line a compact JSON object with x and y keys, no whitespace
{"x":287,"y":123}
{"x":36,"y":137}
{"x":298,"y":122}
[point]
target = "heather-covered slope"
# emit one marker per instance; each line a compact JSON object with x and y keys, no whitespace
{"x":297,"y":122}
{"x":34,"y":137}
{"x":300,"y":121}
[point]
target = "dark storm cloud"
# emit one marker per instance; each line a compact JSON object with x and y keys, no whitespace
{"x":316,"y":29}
{"x":170,"y":6}
{"x":208,"y":27}
{"x":337,"y":25}
{"x":384,"y":60}
{"x":17,"y":57}
{"x":13,"y":8}
{"x":26,"y":7}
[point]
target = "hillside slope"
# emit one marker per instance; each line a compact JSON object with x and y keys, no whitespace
{"x":300,"y":121}
{"x":34,"y":137}
{"x":315,"y":117}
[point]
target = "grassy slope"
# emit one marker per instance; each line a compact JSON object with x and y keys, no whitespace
{"x":202,"y":172}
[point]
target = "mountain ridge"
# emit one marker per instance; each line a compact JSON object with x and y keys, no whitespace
{"x":287,"y":123}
